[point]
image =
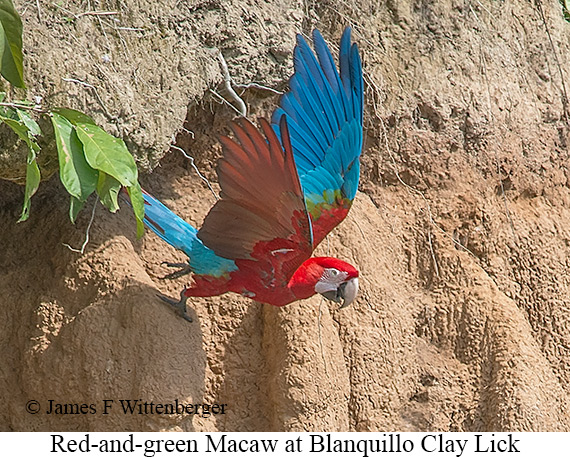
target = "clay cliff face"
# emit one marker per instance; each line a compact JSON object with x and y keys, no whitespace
{"x":460,"y":229}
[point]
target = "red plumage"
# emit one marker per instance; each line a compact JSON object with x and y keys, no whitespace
{"x":262,"y":224}
{"x":257,"y":240}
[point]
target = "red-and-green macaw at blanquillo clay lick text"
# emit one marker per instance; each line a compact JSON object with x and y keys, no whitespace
{"x":283,"y":188}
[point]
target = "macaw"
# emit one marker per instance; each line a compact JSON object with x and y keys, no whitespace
{"x":283,"y":188}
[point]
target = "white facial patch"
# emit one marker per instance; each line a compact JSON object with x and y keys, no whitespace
{"x":330,"y":280}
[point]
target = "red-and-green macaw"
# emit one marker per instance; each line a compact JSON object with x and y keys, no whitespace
{"x":283,"y":188}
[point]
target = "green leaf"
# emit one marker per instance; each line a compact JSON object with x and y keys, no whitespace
{"x":10,"y":113}
{"x":74,"y":116}
{"x":76,"y":175}
{"x":75,"y":205}
{"x":33,"y":178}
{"x":137,"y":201}
{"x":12,"y":60}
{"x":23,"y":132}
{"x":566,"y":9}
{"x":108,"y":154}
{"x":17,"y":126}
{"x":104,"y":154}
{"x":29,"y":121}
{"x":108,"y":189}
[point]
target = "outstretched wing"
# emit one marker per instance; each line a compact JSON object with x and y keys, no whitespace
{"x":324,"y":114}
{"x":262,"y":212}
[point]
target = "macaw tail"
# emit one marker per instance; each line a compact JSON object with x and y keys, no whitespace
{"x":178,"y":233}
{"x":167,"y":225}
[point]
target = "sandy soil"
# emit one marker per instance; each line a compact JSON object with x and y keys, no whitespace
{"x":460,"y":229}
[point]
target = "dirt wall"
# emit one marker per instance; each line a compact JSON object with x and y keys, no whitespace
{"x":460,"y":229}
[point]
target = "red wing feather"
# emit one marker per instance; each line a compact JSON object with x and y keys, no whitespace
{"x":261,"y":200}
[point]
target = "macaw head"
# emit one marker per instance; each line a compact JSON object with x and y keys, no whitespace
{"x":332,"y":278}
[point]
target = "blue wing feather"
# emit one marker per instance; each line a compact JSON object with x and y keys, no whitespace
{"x":304,"y":127}
{"x":344,"y":62}
{"x":324,"y":112}
{"x":307,"y":103}
{"x":329,"y":68}
{"x":302,"y":144}
{"x":358,"y":83}
{"x":312,"y":77}
{"x":324,"y":115}
{"x":329,"y":82}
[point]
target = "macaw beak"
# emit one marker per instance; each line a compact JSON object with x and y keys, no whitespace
{"x":346,"y":293}
{"x":349,"y":290}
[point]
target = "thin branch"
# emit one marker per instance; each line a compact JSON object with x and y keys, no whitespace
{"x":223,"y":100}
{"x":434,"y":259}
{"x":39,"y":11}
{"x":82,"y":250}
{"x":319,"y":325}
{"x":104,"y":32}
{"x":96,"y":13}
{"x":94,"y":89}
{"x":562,"y":81}
{"x":37,"y":108}
{"x":130,"y":29}
{"x":85,"y":13}
{"x":358,"y":226}
{"x":83,"y":83}
{"x":259,"y":87}
{"x":202,"y":177}
{"x":483,"y":7}
{"x":189,"y":132}
{"x":128,"y":55}
{"x":228,"y":85}
{"x":62,"y":9}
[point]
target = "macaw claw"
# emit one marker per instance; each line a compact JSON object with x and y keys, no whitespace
{"x":179,"y":306}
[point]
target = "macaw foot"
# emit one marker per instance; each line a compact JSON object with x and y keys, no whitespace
{"x":179,"y":306}
{"x":183,"y":269}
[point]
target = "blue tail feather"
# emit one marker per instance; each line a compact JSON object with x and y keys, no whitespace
{"x":181,"y":235}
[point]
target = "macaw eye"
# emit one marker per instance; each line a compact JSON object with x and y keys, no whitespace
{"x":332,"y":275}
